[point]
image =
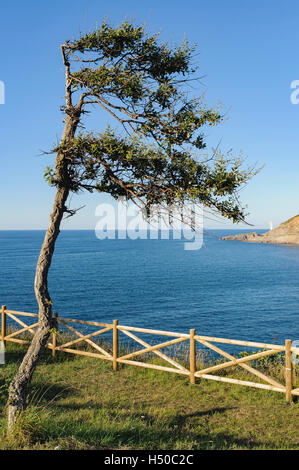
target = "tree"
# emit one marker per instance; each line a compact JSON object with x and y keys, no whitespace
{"x":154,"y":160}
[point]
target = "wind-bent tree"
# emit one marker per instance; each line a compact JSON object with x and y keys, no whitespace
{"x":154,"y":160}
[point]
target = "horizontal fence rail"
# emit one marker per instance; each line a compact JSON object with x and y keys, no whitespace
{"x":174,"y":366}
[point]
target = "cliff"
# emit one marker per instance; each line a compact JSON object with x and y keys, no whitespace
{"x":285,"y":233}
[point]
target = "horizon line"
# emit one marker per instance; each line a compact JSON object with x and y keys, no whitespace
{"x":116,"y":230}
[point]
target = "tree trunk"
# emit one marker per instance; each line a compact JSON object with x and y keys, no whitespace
{"x":19,"y":385}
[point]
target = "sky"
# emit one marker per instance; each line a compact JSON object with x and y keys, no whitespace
{"x":248,"y":58}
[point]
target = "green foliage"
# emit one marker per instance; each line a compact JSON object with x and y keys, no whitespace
{"x":126,"y":166}
{"x":49,"y":176}
{"x":142,"y":82}
{"x":143,"y":52}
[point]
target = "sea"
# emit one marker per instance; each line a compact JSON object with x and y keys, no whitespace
{"x":227,"y":289}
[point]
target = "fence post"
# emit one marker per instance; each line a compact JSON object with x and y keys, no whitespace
{"x":115,"y":344}
{"x":192,"y":356}
{"x":3,"y":324}
{"x":54,"y":335}
{"x":288,"y":370}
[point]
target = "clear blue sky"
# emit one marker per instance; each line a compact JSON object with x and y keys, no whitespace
{"x":248,"y":56}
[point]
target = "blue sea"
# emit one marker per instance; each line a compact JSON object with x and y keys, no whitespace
{"x":227,"y":289}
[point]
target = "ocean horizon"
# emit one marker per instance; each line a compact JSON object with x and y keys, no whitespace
{"x":226,"y":289}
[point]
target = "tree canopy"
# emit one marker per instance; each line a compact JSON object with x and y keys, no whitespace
{"x":157,"y":159}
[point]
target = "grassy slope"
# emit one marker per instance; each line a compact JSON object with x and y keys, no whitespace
{"x":79,"y":403}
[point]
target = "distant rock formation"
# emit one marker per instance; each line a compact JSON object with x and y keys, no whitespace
{"x":285,"y":233}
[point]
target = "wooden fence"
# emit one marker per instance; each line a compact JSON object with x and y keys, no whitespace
{"x":192,"y":338}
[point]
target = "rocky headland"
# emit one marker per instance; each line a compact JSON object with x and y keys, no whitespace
{"x":285,"y":233}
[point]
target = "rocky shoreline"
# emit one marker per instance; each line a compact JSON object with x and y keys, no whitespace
{"x":286,"y":233}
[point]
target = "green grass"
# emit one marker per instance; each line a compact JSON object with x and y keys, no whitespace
{"x":80,"y":403}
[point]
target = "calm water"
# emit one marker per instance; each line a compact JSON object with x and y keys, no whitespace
{"x":227,"y":289}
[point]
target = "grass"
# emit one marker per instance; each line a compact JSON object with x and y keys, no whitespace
{"x":77,"y":402}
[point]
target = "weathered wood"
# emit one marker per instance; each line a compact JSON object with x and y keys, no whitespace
{"x":244,"y":366}
{"x":179,"y":369}
{"x":153,"y":348}
{"x":83,"y":322}
{"x":240,"y":343}
{"x":18,"y":332}
{"x":17,"y":320}
{"x":96,"y":346}
{"x":192,"y":356}
{"x":87,"y":353}
{"x":153,"y":366}
{"x":243,"y":382}
{"x":22,"y":314}
{"x":154,"y":332}
{"x":79,"y":340}
{"x":168,"y":333}
{"x":115,"y":344}
{"x":16,"y":340}
{"x":54,"y":335}
{"x":158,"y":353}
{"x":288,"y":371}
{"x":3,"y":324}
{"x":239,"y":362}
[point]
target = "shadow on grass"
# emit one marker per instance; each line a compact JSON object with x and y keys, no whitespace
{"x":39,"y":395}
{"x":47,"y":394}
{"x":148,"y":432}
{"x":152,"y":436}
{"x":176,"y":420}
{"x":119,"y":428}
